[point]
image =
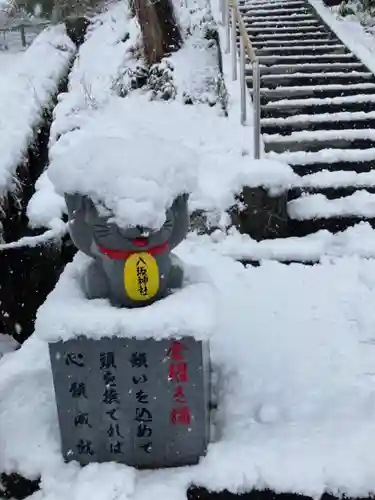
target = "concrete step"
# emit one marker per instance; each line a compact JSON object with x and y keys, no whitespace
{"x":281,"y":23}
{"x":303,"y":58}
{"x":286,"y":108}
{"x":325,"y":156}
{"x":331,"y":193}
{"x":285,"y":17}
{"x":315,"y":141}
{"x":309,"y":209}
{"x":273,"y":11}
{"x":327,"y":181}
{"x":324,"y":121}
{"x":303,"y":52}
{"x":280,"y":30}
{"x":358,"y":202}
{"x":309,"y":79}
{"x":267,"y":96}
{"x":359,"y":167}
{"x":306,"y":67}
{"x":270,"y":2}
{"x":333,"y":224}
{"x":253,"y":5}
{"x":280,"y":38}
{"x":270,"y":6}
{"x":308,"y":43}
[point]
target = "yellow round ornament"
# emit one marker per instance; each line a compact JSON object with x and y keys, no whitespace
{"x":141,"y":276}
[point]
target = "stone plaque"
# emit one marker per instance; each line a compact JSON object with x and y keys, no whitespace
{"x":144,"y":403}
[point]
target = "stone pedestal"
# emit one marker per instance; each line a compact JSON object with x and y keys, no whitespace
{"x":261,"y":215}
{"x":144,"y":403}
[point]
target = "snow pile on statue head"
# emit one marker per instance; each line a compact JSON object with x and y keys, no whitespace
{"x":134,"y":177}
{"x":127,"y":203}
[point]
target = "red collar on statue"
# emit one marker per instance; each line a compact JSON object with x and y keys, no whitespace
{"x":122,"y":254}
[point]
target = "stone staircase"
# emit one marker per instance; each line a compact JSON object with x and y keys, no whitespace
{"x":317,"y":114}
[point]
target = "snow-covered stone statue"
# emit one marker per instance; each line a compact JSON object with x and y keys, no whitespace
{"x":127,"y":203}
{"x":132,"y":266}
{"x":132,"y":384}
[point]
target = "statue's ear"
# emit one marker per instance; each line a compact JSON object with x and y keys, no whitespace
{"x":181,"y":220}
{"x":90,"y":211}
{"x":73,"y":203}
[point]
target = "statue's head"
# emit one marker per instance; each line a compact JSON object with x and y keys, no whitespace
{"x":107,"y":234}
{"x":93,"y":228}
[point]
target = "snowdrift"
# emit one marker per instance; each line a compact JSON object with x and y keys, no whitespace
{"x":26,"y":92}
{"x":293,"y":355}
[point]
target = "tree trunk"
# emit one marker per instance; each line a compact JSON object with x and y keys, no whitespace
{"x":160,"y":31}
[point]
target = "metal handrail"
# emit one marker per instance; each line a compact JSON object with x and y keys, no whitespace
{"x":231,"y":19}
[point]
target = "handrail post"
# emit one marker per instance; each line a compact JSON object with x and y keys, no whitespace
{"x":234,"y":20}
{"x":227,"y":25}
{"x":23,"y":35}
{"x":256,"y":105}
{"x":234,"y":44}
{"x":222,"y":10}
{"x":243,"y":81}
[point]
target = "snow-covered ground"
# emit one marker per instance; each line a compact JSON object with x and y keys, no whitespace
{"x":7,"y":62}
{"x":293,"y":346}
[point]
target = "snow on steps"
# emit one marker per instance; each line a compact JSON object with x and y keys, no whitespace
{"x":279,"y":23}
{"x":288,"y":36}
{"x":277,"y":18}
{"x":325,"y":155}
{"x":358,"y":240}
{"x":323,"y":117}
{"x":296,"y":18}
{"x":325,"y":178}
{"x":318,"y":139}
{"x":315,"y":42}
{"x":309,"y":67}
{"x":314,"y":95}
{"x":316,"y":206}
{"x":317,"y":58}
{"x":333,"y":121}
{"x":272,"y":5}
{"x":297,"y":28}
{"x":264,"y":11}
{"x":270,"y":111}
{"x":331,"y":75}
{"x":360,"y":98}
{"x":317,"y":114}
{"x":289,"y":53}
{"x":311,"y":79}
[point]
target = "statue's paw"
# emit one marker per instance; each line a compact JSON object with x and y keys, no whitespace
{"x":176,"y":275}
{"x":94,"y":282}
